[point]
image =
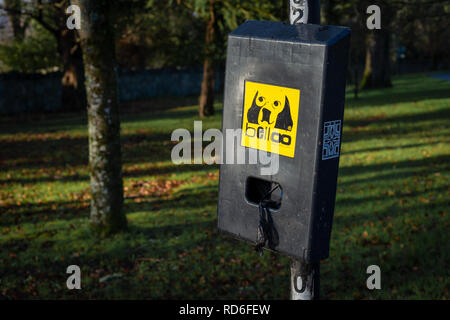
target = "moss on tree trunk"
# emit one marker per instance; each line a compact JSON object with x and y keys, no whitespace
{"x":97,"y":35}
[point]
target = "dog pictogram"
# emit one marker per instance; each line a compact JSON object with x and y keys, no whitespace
{"x":270,"y":117}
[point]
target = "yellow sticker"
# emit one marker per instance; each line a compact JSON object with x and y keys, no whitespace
{"x":270,"y":118}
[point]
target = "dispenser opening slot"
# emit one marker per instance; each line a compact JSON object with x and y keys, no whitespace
{"x":257,"y":189}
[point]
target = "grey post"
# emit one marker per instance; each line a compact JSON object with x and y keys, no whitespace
{"x":304,"y":280}
{"x":304,"y":11}
{"x":304,"y":275}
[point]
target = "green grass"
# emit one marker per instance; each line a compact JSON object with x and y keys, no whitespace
{"x":391,"y":208}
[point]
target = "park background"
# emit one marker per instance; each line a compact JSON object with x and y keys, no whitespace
{"x":393,"y":191}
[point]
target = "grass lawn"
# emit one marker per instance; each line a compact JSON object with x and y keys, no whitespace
{"x":392,"y":207}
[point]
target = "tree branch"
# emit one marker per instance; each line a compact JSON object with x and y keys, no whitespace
{"x":38,"y":18}
{"x":417,"y":3}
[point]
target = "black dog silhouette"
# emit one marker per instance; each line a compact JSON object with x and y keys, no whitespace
{"x":284,"y":119}
{"x":253,"y":112}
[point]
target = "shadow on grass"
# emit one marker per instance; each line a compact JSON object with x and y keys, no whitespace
{"x":356,"y":134}
{"x":127,"y":173}
{"x":413,"y":271}
{"x":386,"y":148}
{"x":403,"y":91}
{"x":156,"y":146}
{"x":43,"y":212}
{"x":430,"y":164}
{"x":50,"y":122}
{"x":174,"y":250}
{"x":413,"y":118}
{"x":65,"y":151}
{"x":196,"y":257}
{"x":354,"y":202}
{"x":395,"y":210}
{"x":69,"y":210}
{"x":170,"y":169}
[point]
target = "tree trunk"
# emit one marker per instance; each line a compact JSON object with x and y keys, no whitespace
{"x":73,"y":96}
{"x":16,"y":18}
{"x":377,"y":72}
{"x":105,"y":163}
{"x":329,"y":13}
{"x":207,"y":94}
{"x":284,"y":14}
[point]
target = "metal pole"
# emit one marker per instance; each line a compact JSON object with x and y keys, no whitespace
{"x":304,"y":275}
{"x":305,"y":283}
{"x":304,"y":11}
